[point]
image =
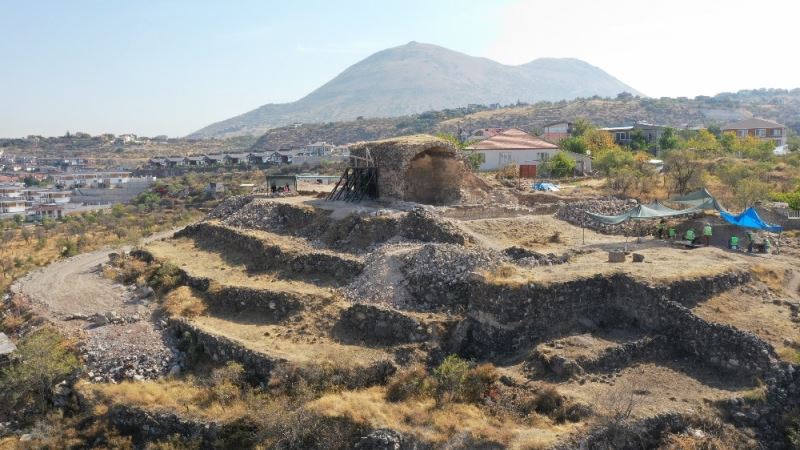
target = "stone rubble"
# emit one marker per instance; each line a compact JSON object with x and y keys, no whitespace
{"x":575,"y":213}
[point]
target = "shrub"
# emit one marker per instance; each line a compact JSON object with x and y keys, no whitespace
{"x":45,"y":359}
{"x":166,"y":277}
{"x":612,"y":159}
{"x":409,"y":383}
{"x":449,"y":377}
{"x":478,"y":382}
{"x":183,"y":302}
{"x":560,"y":165}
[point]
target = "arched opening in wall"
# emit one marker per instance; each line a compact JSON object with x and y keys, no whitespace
{"x":434,"y":177}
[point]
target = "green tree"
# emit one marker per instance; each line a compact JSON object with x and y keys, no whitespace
{"x":748,"y":191}
{"x":574,"y":144}
{"x":560,"y":165}
{"x":683,"y":171}
{"x":668,"y":139}
{"x":704,"y":143}
{"x":638,"y":141}
{"x":581,"y":126}
{"x":613,"y":158}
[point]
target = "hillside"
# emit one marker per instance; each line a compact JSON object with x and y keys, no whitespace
{"x":780,"y":105}
{"x":416,"y":77}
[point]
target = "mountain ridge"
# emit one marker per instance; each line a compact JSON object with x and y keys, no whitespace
{"x":416,"y":77}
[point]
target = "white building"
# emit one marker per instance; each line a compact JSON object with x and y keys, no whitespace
{"x":12,"y":206}
{"x":92,"y":179}
{"x":515,"y":146}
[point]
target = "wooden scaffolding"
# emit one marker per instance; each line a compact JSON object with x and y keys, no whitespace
{"x":358,"y":181}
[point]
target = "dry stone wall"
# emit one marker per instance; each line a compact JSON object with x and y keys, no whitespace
{"x":372,"y":325}
{"x":505,"y":319}
{"x":264,"y":256}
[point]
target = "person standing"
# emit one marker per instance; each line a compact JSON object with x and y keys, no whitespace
{"x":750,"y":241}
{"x":672,"y":232}
{"x":661,"y":229}
{"x":707,"y":231}
{"x":689,"y":236}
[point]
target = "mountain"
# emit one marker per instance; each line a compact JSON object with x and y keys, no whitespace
{"x":775,"y":104}
{"x":416,"y":77}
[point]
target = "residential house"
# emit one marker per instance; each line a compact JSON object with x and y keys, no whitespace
{"x":483,"y":133}
{"x":278,"y":158}
{"x":760,"y":128}
{"x":623,"y":135}
{"x":175,"y":161}
{"x":515,"y":146}
{"x":318,"y":149}
{"x":11,"y":191}
{"x":195,"y":161}
{"x":91,"y":179}
{"x":216,"y":159}
{"x":12,"y":205}
{"x":556,"y":131}
{"x":236,"y":158}
{"x":157,"y":162}
{"x":259,"y":159}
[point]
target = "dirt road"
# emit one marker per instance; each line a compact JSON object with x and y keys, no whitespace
{"x":134,"y":347}
{"x":74,"y":286}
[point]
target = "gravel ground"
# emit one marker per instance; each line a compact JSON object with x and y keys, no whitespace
{"x":115,"y":325}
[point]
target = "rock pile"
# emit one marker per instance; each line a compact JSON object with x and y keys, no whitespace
{"x":128,"y":351}
{"x":229,"y":206}
{"x":439,"y":274}
{"x":575,"y":213}
{"x":525,"y":257}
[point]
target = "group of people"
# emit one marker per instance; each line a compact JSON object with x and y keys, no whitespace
{"x":280,"y":189}
{"x":668,"y":230}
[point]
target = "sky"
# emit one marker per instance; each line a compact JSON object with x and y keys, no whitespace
{"x":171,"y":67}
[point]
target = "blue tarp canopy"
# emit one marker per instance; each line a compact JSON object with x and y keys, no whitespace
{"x":750,"y":219}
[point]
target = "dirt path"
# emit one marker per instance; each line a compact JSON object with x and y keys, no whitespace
{"x":131,"y":345}
{"x":74,"y":286}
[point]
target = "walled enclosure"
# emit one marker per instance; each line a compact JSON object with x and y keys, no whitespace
{"x":419,"y":168}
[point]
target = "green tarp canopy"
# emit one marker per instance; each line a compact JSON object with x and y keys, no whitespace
{"x":700,"y":200}
{"x":653,"y":210}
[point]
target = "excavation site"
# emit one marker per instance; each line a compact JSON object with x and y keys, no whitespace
{"x":416,"y":305}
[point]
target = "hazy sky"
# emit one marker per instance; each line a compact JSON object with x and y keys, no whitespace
{"x":172,"y":67}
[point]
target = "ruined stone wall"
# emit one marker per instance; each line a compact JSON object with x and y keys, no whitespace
{"x":510,"y":318}
{"x":264,"y":256}
{"x":221,"y":349}
{"x":441,"y":173}
{"x":373,"y":325}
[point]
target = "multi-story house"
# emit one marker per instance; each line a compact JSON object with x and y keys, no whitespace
{"x":760,"y":128}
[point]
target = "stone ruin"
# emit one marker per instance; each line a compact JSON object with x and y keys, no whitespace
{"x":421,"y":168}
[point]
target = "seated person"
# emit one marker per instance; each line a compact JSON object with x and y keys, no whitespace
{"x":733,"y":242}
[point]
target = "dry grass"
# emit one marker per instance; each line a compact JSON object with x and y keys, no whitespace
{"x":184,"y":302}
{"x":662,"y":264}
{"x":769,"y":321}
{"x":771,"y":276}
{"x":206,"y":264}
{"x":421,"y":418}
{"x":296,"y":342}
{"x":182,"y":397}
{"x":654,"y":389}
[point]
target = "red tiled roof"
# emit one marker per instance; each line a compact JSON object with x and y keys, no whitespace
{"x":512,"y":139}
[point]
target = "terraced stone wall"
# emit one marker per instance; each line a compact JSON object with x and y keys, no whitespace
{"x":505,"y":319}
